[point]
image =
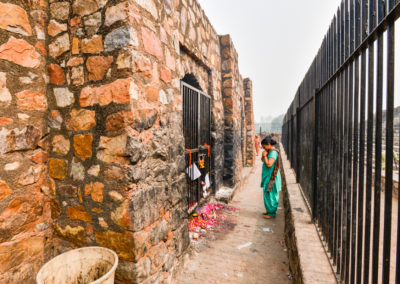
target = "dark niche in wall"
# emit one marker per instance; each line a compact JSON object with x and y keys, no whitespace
{"x":192,"y":81}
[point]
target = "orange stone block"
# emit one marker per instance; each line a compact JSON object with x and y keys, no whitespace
{"x":83,"y":146}
{"x":14,"y":19}
{"x":57,"y":169}
{"x":81,"y":119}
{"x":97,"y":66}
{"x":29,"y":100}
{"x":20,"y":52}
{"x":152,"y":94}
{"x":5,"y":190}
{"x":92,"y":45}
{"x":75,"y":45}
{"x":165,"y":74}
{"x":75,"y":61}
{"x":119,"y":120}
{"x":152,"y":43}
{"x":5,"y":120}
{"x":95,"y":190}
{"x":117,"y":91}
{"x":78,"y":213}
{"x":121,"y":243}
{"x":56,"y":74}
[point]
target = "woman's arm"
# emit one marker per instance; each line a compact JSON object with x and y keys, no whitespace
{"x":269,"y":162}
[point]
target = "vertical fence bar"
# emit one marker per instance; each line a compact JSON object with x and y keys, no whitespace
{"x":361,"y":170}
{"x":389,"y":150}
{"x":378,"y":149}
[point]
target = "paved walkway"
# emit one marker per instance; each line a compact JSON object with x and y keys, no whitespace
{"x":264,"y":261}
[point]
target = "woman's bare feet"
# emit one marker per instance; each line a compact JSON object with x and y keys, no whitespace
{"x":267,"y":217}
{"x":265,"y":213}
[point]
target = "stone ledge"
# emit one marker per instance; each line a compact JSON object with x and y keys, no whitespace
{"x":307,"y":258}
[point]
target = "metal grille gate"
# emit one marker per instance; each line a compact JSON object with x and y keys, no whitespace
{"x":196,"y":129}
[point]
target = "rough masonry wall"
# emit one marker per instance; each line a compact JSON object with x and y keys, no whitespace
{"x":250,"y":131}
{"x":200,"y":48}
{"x":91,"y":129}
{"x":233,"y":93}
{"x":25,"y":195}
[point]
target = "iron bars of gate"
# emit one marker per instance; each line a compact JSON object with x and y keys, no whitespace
{"x":341,"y":120}
{"x":197,"y":133}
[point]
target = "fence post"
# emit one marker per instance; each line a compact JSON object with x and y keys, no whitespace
{"x":314,"y":174}
{"x":298,"y":141}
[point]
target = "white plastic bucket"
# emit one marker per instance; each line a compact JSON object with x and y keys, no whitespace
{"x":94,"y":265}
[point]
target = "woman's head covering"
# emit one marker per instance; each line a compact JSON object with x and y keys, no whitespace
{"x":268,"y":140}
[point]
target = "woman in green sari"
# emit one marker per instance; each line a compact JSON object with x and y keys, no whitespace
{"x":271,"y":177}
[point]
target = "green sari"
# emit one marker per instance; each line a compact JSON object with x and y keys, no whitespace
{"x":271,"y":199}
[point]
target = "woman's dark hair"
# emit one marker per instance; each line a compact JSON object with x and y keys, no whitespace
{"x":268,"y":140}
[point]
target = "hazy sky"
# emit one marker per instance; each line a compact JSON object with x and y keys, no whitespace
{"x":276,"y":42}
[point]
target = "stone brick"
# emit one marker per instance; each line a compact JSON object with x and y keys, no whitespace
{"x":5,"y":120}
{"x":144,"y":118}
{"x":14,"y":19}
{"x":60,"y":145}
{"x":149,"y":6}
{"x":78,"y":213}
{"x":56,"y":74}
{"x":31,"y":100}
{"x":152,"y":94}
{"x":5,"y":96}
{"x":122,"y":243}
{"x":115,"y":195}
{"x":116,"y":13}
{"x":92,"y":23}
{"x":55,"y":119}
{"x":120,"y":38}
{"x":117,"y":91}
{"x":5,"y":190}
{"x":19,"y":254}
{"x":152,"y":43}
{"x":77,"y":75}
{"x":165,"y":74}
{"x":55,"y":28}
{"x":79,"y":120}
{"x":95,"y":190}
{"x":83,"y":146}
{"x":121,"y":215}
{"x":113,"y":173}
{"x":20,"y":52}
{"x":92,"y":45}
{"x":60,"y":45}
{"x":77,"y":171}
{"x":68,"y":191}
{"x":159,"y":233}
{"x":143,"y":65}
{"x":94,"y":170}
{"x":119,"y":120}
{"x":75,"y":45}
{"x":57,"y":169}
{"x":113,"y":150}
{"x":59,"y":10}
{"x":75,"y":61}
{"x":97,"y":66}
{"x":86,"y":7}
{"x":75,"y":235}
{"x":63,"y":97}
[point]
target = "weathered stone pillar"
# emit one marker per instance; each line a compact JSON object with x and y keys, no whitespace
{"x":232,"y":90}
{"x":25,"y":195}
{"x":250,"y":132}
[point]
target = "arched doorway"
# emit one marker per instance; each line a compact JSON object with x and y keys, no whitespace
{"x":197,"y":133}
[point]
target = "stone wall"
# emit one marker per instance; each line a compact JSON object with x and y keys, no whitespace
{"x":91,"y":129}
{"x":233,"y":94}
{"x":250,"y":131}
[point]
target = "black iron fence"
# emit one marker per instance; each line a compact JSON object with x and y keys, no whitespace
{"x":197,"y":133}
{"x":341,"y":135}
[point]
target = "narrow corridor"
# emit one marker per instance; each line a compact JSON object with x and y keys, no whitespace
{"x":253,"y":252}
